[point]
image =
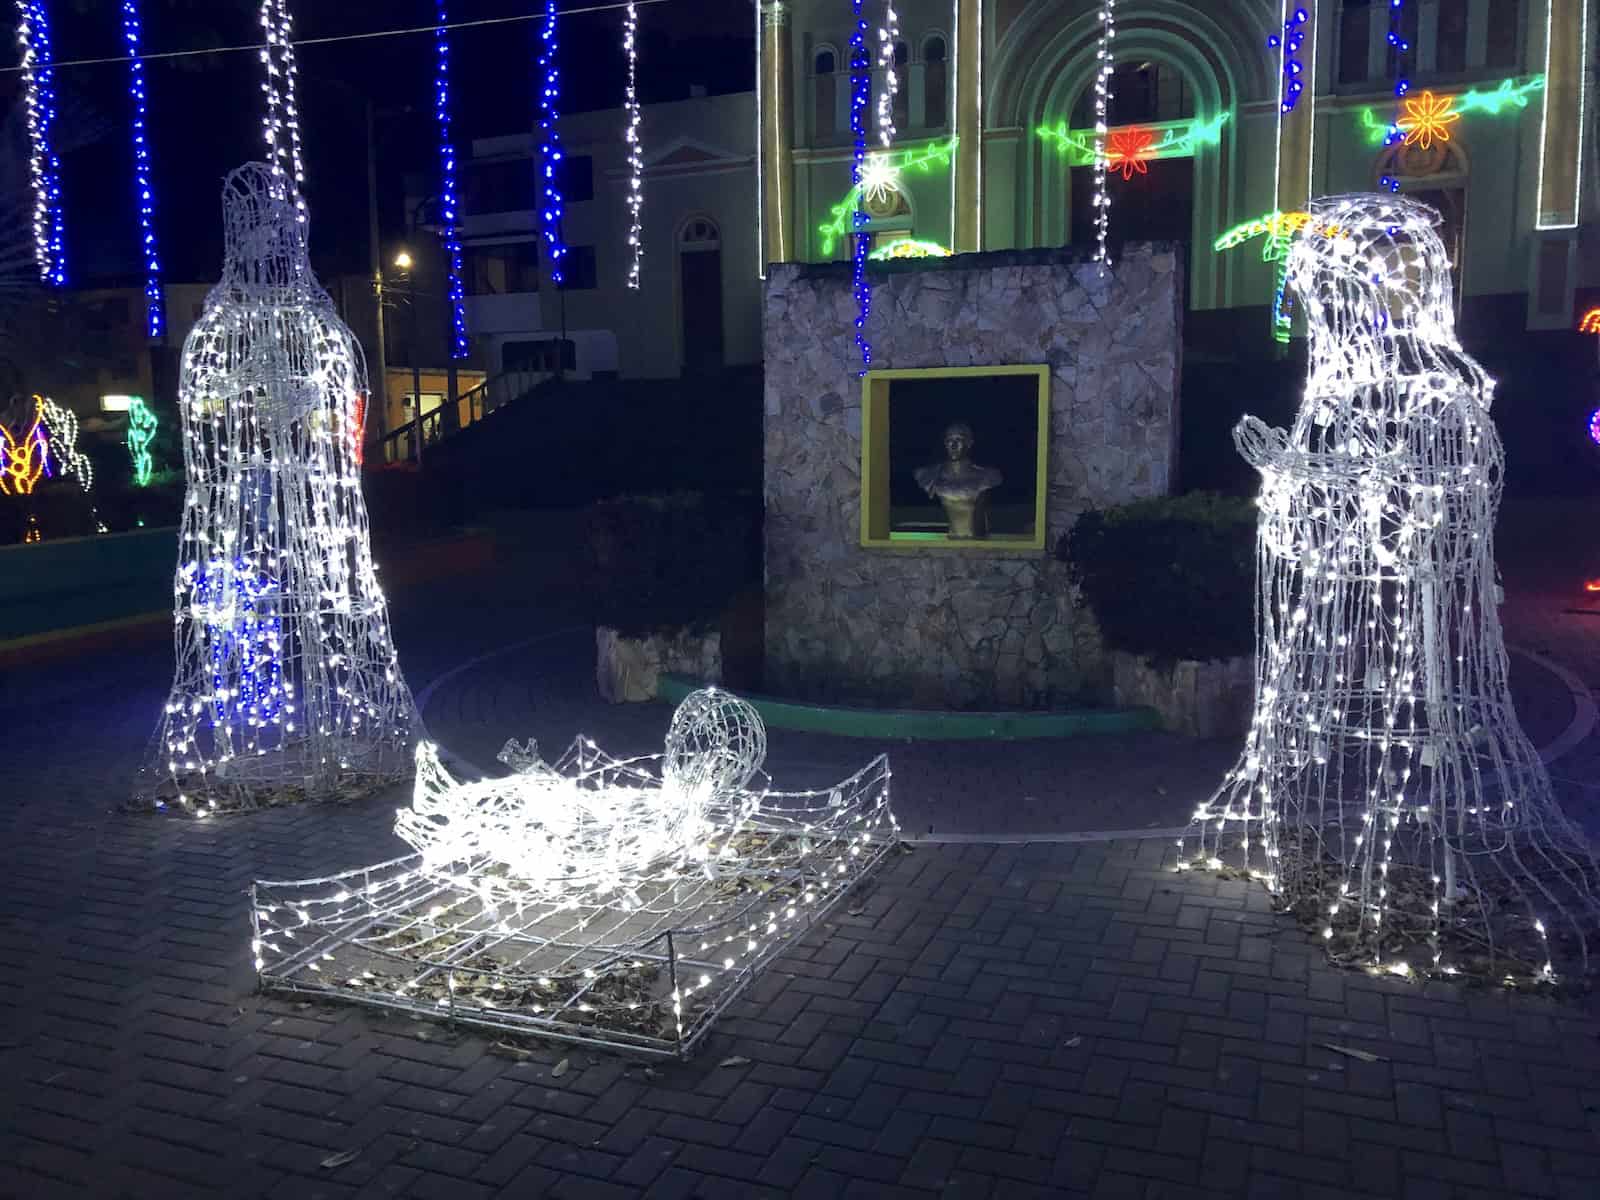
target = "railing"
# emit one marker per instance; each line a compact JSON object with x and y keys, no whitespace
{"x":407,"y":443}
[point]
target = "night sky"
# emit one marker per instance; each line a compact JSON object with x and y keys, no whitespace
{"x":205,"y":111}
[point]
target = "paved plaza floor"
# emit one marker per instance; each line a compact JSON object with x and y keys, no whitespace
{"x":1036,"y":1018}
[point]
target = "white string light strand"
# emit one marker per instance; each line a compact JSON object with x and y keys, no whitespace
{"x":888,"y":39}
{"x":630,"y":47}
{"x":282,"y":122}
{"x":1102,"y":101}
{"x":38,"y":75}
{"x":1386,"y":789}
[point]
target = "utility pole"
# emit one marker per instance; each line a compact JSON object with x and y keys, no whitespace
{"x":380,"y":381}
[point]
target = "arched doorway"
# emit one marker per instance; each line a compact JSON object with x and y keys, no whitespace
{"x":1152,"y":200}
{"x":1437,"y":176}
{"x":700,"y":295}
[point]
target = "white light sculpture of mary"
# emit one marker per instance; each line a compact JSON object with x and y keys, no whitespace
{"x":1386,"y":789}
{"x":287,"y":684}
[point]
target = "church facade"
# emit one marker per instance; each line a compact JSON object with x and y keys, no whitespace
{"x":992,"y":150}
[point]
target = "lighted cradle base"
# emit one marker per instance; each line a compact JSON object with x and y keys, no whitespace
{"x":599,"y":975}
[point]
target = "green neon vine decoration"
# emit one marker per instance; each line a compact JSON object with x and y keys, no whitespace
{"x":917,"y":158}
{"x":1178,"y":140}
{"x":1509,"y":95}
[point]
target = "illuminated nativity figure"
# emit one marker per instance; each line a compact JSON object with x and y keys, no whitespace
{"x":1386,"y":790}
{"x":287,"y":685}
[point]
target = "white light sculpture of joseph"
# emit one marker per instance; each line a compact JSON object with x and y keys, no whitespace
{"x":287,"y":684}
{"x":1386,"y":790}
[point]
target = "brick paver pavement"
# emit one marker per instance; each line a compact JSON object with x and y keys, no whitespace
{"x":995,"y":1021}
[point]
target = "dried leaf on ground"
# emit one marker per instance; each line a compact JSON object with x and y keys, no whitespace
{"x":737,"y":1060}
{"x":507,"y":1050}
{"x":560,"y":1069}
{"x":339,"y":1159}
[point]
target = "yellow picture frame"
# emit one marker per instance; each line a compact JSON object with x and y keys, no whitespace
{"x":875,"y":531}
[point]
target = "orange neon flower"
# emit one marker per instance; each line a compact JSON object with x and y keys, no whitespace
{"x":1128,"y":150}
{"x":1427,"y":118}
{"x":1590,"y":322}
{"x":22,"y":462}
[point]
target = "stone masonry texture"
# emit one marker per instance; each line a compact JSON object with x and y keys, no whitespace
{"x":993,"y":628}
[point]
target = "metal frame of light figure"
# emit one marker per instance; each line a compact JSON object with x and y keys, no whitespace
{"x":286,"y":684}
{"x":1386,"y":790}
{"x":615,"y":903}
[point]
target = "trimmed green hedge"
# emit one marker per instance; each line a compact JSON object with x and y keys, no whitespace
{"x":671,"y":561}
{"x":1169,"y":578}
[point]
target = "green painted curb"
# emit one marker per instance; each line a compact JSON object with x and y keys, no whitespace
{"x":889,"y":723}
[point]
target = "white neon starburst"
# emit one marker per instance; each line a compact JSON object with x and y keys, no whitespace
{"x":880,"y":179}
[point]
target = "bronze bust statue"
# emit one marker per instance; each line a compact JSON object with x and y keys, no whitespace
{"x":960,"y":485}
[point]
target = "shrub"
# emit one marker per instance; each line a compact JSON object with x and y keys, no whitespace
{"x":1169,"y":578}
{"x":671,"y":561}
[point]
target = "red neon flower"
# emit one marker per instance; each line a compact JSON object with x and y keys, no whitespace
{"x":1128,"y":150}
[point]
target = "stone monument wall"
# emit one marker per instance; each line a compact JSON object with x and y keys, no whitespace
{"x":936,"y":627}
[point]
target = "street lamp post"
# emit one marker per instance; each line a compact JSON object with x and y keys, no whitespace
{"x":403,"y":263}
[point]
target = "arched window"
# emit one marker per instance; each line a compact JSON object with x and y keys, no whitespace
{"x":700,"y":233}
{"x":935,"y":99}
{"x":1142,"y":93}
{"x":825,"y":66}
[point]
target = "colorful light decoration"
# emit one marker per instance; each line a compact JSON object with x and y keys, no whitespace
{"x":631,"y":900}
{"x":630,"y":105}
{"x":1129,"y":151}
{"x":38,"y":78}
{"x":449,"y":205}
{"x":923,"y":159}
{"x":1427,"y":119}
{"x":902,"y":248}
{"x":286,"y":683}
{"x":1594,"y":427}
{"x":281,"y":125}
{"x":1102,"y":104}
{"x":1291,"y":39}
{"x":550,"y":204}
{"x":1590,"y":322}
{"x":1279,"y":229}
{"x":860,"y":97}
{"x":62,"y":424}
{"x":24,"y":460}
{"x":1385,"y":782}
{"x":888,"y":36}
{"x":356,"y":428}
{"x":1177,"y":140}
{"x":141,"y":436}
{"x":143,"y":186}
{"x":1510,"y":96}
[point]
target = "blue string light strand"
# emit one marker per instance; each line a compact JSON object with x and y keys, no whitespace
{"x":860,"y":98}
{"x":1402,"y":85}
{"x":550,"y":208}
{"x":143,"y":187}
{"x":38,"y":76}
{"x":449,"y":207}
{"x":1292,"y":38}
